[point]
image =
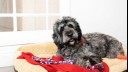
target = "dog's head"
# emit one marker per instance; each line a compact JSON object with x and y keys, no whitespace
{"x":66,"y":31}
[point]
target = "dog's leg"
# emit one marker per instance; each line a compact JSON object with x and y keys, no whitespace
{"x":95,"y":60}
{"x":84,"y":62}
{"x":115,"y":48}
{"x":87,"y":59}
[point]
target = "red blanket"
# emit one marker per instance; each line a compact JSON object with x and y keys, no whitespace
{"x":59,"y":67}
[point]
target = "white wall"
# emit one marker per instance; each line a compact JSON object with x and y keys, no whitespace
{"x":14,"y":40}
{"x":105,"y":16}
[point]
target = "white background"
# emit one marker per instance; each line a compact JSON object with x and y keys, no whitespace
{"x":105,"y":16}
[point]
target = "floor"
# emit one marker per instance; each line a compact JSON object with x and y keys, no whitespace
{"x":11,"y":69}
{"x":7,"y":69}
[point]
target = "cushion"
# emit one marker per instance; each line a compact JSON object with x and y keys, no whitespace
{"x":48,"y":49}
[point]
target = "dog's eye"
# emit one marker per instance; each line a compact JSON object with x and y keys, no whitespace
{"x":61,"y":29}
{"x":70,"y":25}
{"x":85,"y":58}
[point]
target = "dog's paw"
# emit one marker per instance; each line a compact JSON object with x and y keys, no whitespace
{"x":98,"y":66}
{"x":95,"y":60}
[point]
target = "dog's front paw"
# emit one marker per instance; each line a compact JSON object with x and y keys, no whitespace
{"x":95,"y":60}
{"x":98,"y":66}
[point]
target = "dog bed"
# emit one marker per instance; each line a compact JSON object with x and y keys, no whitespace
{"x":48,"y":49}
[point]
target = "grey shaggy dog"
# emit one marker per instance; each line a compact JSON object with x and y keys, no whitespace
{"x":84,"y":50}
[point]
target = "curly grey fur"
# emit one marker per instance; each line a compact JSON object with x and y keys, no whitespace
{"x":67,"y":36}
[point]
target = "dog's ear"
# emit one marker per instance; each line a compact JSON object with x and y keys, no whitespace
{"x":56,"y":36}
{"x":79,"y":32}
{"x":78,"y":29}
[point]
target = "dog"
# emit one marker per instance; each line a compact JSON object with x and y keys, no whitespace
{"x":84,"y":49}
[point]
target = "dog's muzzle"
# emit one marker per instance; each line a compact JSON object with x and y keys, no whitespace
{"x":70,"y":37}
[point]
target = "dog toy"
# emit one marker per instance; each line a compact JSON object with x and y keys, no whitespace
{"x":53,"y":60}
{"x":122,"y":57}
{"x":60,"y":60}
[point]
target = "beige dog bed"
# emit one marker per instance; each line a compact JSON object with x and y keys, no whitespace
{"x":49,"y":49}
